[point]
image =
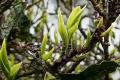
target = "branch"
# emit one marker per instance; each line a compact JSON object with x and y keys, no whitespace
{"x":74,"y":52}
{"x":97,"y":8}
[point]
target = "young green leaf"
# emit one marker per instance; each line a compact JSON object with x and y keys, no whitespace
{"x":14,"y":70}
{"x":78,"y":69}
{"x":88,"y":38}
{"x":43,"y":45}
{"x":72,"y":30}
{"x":49,"y":76}
{"x":30,"y":13}
{"x":4,"y":69}
{"x":73,"y":20}
{"x":106,"y":32}
{"x":112,"y":34}
{"x":56,"y":38}
{"x":62,"y":29}
{"x":11,"y":60}
{"x":96,"y":21}
{"x":74,"y":16}
{"x":3,"y":55}
{"x":48,"y":55}
{"x":100,"y":24}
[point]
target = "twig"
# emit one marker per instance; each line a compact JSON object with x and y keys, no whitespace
{"x":97,"y":8}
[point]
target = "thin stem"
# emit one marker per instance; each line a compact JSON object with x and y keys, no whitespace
{"x":107,"y":25}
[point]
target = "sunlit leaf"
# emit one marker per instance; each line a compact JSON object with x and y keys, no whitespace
{"x":49,"y":76}
{"x":100,"y":24}
{"x":12,"y":60}
{"x":96,"y":21}
{"x":73,"y":29}
{"x":112,"y":34}
{"x":56,"y":38}
{"x":3,"y":55}
{"x":45,"y":16}
{"x":78,"y":69}
{"x":14,"y":70}
{"x":74,"y":17}
{"x":89,"y":36}
{"x":43,"y":45}
{"x":4,"y":69}
{"x":48,"y":55}
{"x":74,"y":40}
{"x":62,"y":29}
{"x":40,"y":26}
{"x":106,"y":32}
{"x":73,"y":20}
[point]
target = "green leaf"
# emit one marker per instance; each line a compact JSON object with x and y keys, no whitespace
{"x":43,"y":45}
{"x":9,"y":71}
{"x":93,"y":72}
{"x":3,"y":56}
{"x":112,"y":34}
{"x":78,"y":68}
{"x":14,"y":70}
{"x":89,"y":37}
{"x":72,"y":30}
{"x":11,"y":60}
{"x":62,"y":29}
{"x":73,"y":20}
{"x":96,"y":21}
{"x":4,"y":69}
{"x":74,"y":17}
{"x":56,"y":38}
{"x":49,"y":76}
{"x":30,"y":13}
{"x":100,"y":24}
{"x":48,"y":55}
{"x":106,"y":32}
{"x":80,"y":57}
{"x":40,"y":26}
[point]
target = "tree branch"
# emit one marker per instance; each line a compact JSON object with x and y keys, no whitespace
{"x":97,"y":8}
